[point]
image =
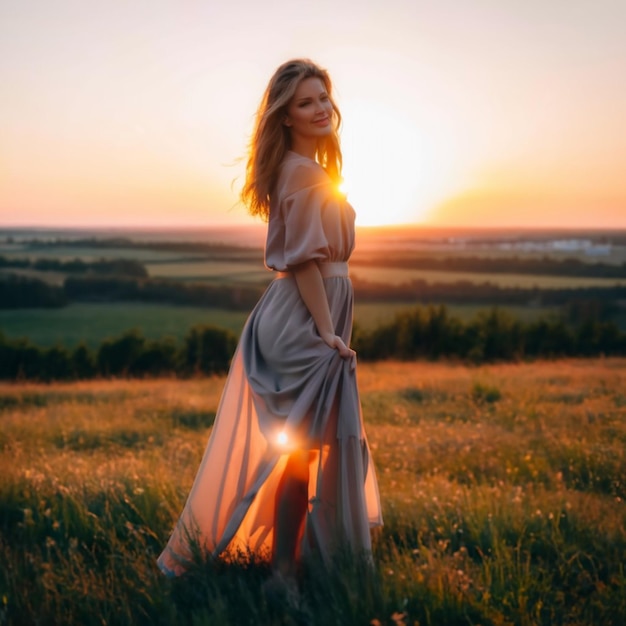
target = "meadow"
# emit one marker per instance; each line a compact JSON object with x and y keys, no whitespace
{"x":201,"y":258}
{"x":502,"y":486}
{"x":93,"y":322}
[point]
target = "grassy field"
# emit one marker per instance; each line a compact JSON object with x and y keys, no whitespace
{"x":192,"y":266}
{"x":92,"y":323}
{"x":503,"y":493}
{"x":397,"y":276}
{"x":68,"y":253}
{"x":246,"y":273}
{"x":212,"y":271}
{"x":235,"y":273}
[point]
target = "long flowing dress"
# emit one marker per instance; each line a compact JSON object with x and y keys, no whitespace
{"x":287,"y":390}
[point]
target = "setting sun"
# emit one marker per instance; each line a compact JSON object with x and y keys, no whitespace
{"x":383,"y":165}
{"x":453,"y":114}
{"x":397,"y":169}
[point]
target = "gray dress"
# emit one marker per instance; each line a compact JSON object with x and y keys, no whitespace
{"x":287,"y":390}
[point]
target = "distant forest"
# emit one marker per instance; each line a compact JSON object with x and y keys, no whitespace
{"x":544,"y":266}
{"x":584,"y":327}
{"x":205,"y":350}
{"x":120,"y":267}
{"x":21,"y":291}
{"x":424,"y":332}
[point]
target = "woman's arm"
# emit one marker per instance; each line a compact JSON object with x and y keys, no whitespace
{"x":311,"y":287}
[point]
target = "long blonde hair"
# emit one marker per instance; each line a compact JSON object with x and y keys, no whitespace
{"x":271,"y":139}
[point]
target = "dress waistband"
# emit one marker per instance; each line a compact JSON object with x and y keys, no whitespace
{"x":328,"y":269}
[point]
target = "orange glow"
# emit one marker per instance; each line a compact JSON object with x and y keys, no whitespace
{"x":139,"y":115}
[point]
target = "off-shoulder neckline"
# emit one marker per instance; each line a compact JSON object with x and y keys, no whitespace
{"x":301,"y":156}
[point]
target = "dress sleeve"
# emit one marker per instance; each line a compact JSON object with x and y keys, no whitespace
{"x":305,"y":235}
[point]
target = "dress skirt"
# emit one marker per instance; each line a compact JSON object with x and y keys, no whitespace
{"x":286,"y":390}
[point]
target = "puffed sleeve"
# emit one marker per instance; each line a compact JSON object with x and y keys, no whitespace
{"x":304,"y":214}
{"x":310,"y":213}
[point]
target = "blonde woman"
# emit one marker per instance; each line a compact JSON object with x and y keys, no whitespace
{"x":287,"y":470}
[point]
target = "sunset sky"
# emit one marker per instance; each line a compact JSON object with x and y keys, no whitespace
{"x":456,"y":112}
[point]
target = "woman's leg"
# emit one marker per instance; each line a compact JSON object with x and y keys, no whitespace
{"x":289,"y":512}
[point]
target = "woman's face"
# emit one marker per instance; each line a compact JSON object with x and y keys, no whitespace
{"x":309,"y":114}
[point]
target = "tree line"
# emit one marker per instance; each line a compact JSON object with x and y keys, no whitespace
{"x":208,"y":247}
{"x":466,"y":292}
{"x":205,"y":350}
{"x":22,"y":291}
{"x":112,"y":289}
{"x":423,"y":332}
{"x":544,"y":266}
{"x":122,"y":267}
{"x":494,"y":335}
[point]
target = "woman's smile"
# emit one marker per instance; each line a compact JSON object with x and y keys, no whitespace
{"x":309,"y":116}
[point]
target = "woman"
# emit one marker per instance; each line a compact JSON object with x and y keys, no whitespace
{"x":287,"y":470}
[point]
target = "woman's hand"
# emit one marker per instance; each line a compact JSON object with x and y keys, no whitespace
{"x":336,"y":342}
{"x":311,"y":287}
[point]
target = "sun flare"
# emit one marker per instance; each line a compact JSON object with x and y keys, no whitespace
{"x":384,"y":166}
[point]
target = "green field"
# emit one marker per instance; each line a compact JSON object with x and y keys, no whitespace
{"x":397,"y":276}
{"x":197,"y":267}
{"x":502,"y":489}
{"x":68,"y":253}
{"x":92,"y":323}
{"x":212,"y":271}
{"x":245,"y":273}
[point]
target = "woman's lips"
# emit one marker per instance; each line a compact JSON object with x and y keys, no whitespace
{"x":322,"y":122}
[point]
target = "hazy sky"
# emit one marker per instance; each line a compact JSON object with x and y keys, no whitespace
{"x":456,"y":112}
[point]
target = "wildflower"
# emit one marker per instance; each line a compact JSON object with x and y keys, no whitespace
{"x":398,"y":618}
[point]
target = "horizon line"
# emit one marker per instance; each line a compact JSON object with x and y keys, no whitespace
{"x":412,"y":225}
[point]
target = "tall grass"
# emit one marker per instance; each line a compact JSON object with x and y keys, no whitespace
{"x":503,"y":490}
